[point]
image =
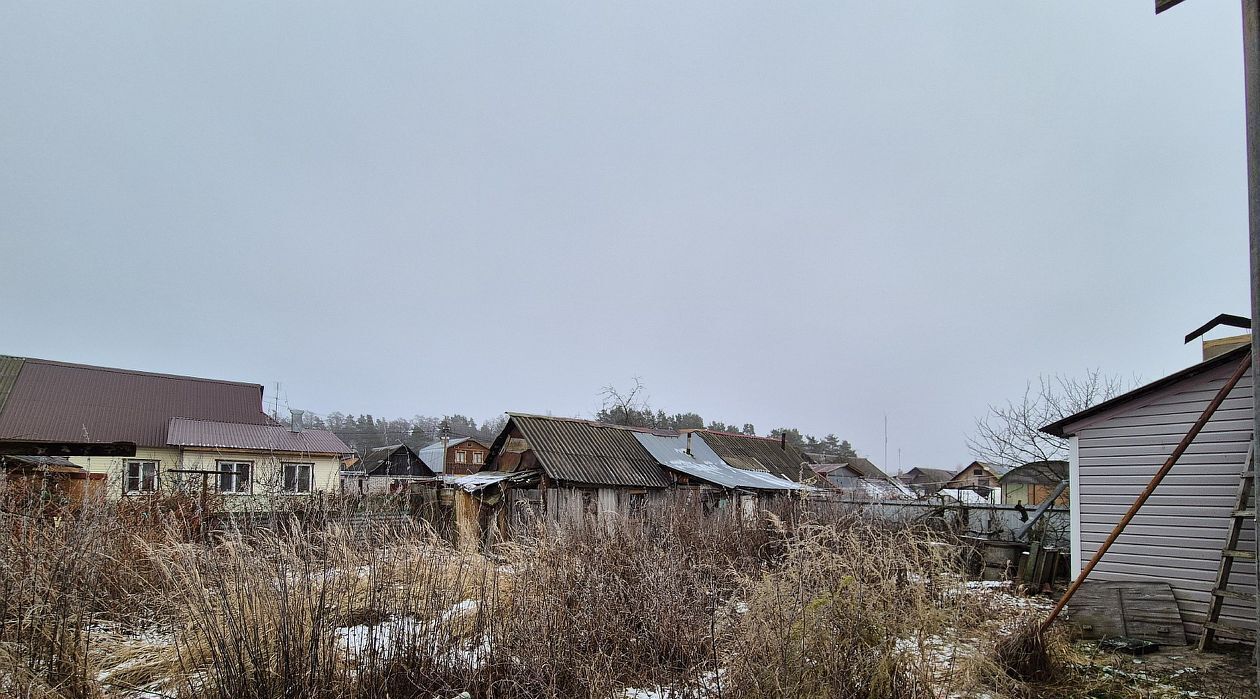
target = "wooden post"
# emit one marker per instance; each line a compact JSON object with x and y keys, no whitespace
{"x":1251,"y":76}
{"x":1251,"y":73}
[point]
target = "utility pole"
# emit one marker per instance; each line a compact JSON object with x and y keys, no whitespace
{"x":1251,"y":75}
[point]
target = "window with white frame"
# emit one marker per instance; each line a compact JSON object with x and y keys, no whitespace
{"x":478,"y":457}
{"x":461,"y":457}
{"x":297,"y":477}
{"x":140,"y":477}
{"x":234,"y":477}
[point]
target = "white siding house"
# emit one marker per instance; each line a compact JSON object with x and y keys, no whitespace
{"x":1177,"y":536}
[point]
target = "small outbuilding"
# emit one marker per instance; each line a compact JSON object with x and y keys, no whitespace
{"x":1031,"y":483}
{"x":390,"y":469}
{"x":1178,"y":535}
{"x":460,"y":455}
{"x":926,"y":481}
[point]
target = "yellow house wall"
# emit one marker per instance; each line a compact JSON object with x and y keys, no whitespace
{"x":267,"y":475}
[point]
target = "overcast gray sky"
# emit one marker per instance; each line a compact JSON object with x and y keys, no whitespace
{"x":806,"y":214}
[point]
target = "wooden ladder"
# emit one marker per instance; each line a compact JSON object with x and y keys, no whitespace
{"x":1230,"y":553}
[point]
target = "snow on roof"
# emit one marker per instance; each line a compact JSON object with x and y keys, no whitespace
{"x":703,"y":463}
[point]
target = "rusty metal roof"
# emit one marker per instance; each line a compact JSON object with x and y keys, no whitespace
{"x":587,"y":452}
{"x":759,"y":454}
{"x":209,"y":434}
{"x":61,"y":402}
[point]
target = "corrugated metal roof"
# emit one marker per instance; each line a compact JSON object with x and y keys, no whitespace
{"x":433,"y":457}
{"x":703,"y":463}
{"x":590,"y":453}
{"x":210,"y":434}
{"x":864,"y":467}
{"x":937,"y":476}
{"x":998,"y":470}
{"x":475,"y":482}
{"x":1037,"y":472}
{"x":9,"y":369}
{"x":51,"y":464}
{"x":829,"y":469}
{"x":60,"y":402}
{"x":758,"y":454}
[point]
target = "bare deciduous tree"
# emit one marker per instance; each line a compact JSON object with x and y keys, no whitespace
{"x":626,"y":407}
{"x":1011,"y":434}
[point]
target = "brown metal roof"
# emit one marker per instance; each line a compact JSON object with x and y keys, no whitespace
{"x":60,"y":402}
{"x":864,"y":467}
{"x":586,"y":452}
{"x":759,"y":454}
{"x":209,"y":434}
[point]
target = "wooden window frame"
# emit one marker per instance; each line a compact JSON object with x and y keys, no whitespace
{"x":219,"y":464}
{"x":310,"y":477}
{"x":461,"y":457}
{"x":157,"y":470}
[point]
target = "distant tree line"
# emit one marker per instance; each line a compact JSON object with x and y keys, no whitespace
{"x":629,"y":406}
{"x":366,"y":432}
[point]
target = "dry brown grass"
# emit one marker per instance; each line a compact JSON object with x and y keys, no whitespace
{"x":104,"y":601}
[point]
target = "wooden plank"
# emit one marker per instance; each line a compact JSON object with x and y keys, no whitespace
{"x":1161,"y":5}
{"x":1128,"y":609}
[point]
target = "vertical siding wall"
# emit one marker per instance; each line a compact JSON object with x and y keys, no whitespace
{"x":1178,"y":534}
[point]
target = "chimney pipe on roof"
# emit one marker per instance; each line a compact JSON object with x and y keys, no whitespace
{"x":295,"y":420}
{"x":783,"y":441}
{"x":688,"y":443}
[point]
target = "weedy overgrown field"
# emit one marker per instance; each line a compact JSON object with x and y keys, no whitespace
{"x":134,"y":600}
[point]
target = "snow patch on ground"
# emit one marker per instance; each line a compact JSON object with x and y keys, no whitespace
{"x":430,"y":637}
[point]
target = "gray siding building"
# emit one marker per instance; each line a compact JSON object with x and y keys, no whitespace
{"x":1177,"y":536}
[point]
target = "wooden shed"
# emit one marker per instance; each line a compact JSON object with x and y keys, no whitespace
{"x":1178,"y":536}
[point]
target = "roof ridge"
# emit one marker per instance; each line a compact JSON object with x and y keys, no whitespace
{"x":593,"y":423}
{"x":269,"y":425}
{"x":133,"y":372}
{"x":731,"y":434}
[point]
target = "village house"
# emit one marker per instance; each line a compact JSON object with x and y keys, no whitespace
{"x":389,"y":469}
{"x":1179,"y":534}
{"x":925,"y":481}
{"x":1031,"y":483}
{"x":462,"y":455}
{"x":979,"y":477}
{"x":177,"y":424}
{"x":588,"y":468}
{"x":858,"y":477}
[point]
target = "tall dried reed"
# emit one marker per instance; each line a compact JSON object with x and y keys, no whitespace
{"x":117,"y":599}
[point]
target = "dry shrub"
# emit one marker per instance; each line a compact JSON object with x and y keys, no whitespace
{"x":109,"y":599}
{"x":1020,"y":661}
{"x":845,"y":613}
{"x":599,"y":608}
